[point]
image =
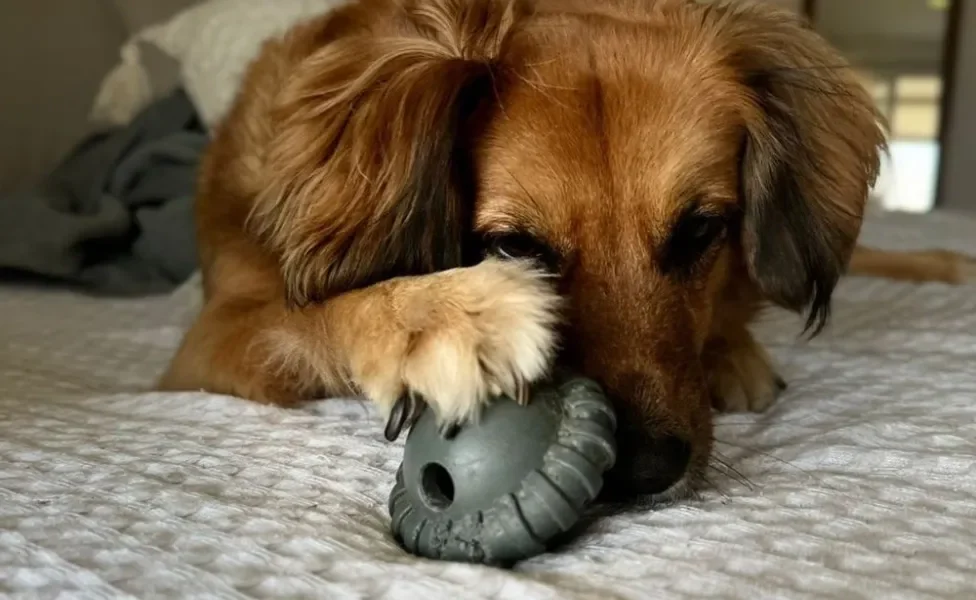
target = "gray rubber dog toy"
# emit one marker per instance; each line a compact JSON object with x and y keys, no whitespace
{"x":500,"y":490}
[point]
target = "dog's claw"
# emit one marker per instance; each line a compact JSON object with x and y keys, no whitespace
{"x":449,"y":430}
{"x":416,"y":409}
{"x":521,"y":392}
{"x":398,"y":416}
{"x":406,"y":411}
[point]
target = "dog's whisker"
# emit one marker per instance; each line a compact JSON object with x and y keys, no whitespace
{"x":535,"y":85}
{"x":712,"y":485}
{"x":717,"y":460}
{"x":544,"y":89}
{"x":725,"y":473}
{"x":764,"y":422}
{"x":770,"y":456}
{"x":538,"y":82}
{"x":725,"y":463}
{"x":525,"y":190}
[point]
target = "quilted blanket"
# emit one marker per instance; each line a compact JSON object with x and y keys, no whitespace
{"x":859,"y":483}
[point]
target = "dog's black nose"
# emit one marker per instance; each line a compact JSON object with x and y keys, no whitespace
{"x":647,"y":463}
{"x":659,"y":463}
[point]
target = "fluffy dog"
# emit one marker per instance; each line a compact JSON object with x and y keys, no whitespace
{"x":428,"y":202}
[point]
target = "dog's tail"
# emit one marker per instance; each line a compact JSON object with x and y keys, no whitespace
{"x":919,"y":266}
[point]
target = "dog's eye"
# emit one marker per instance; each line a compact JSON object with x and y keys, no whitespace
{"x":517,"y":246}
{"x":691,"y":237}
{"x":514,"y":245}
{"x":703,"y":229}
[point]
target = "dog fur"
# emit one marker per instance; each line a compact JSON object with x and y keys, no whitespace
{"x":435,"y":201}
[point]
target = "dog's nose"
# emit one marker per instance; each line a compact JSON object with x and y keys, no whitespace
{"x":659,"y":463}
{"x":648,"y":463}
{"x":656,"y":439}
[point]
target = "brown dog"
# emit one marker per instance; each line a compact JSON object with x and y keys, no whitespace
{"x":437,"y":200}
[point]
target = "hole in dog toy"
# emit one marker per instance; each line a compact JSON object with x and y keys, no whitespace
{"x":438,"y":486}
{"x":510,"y":485}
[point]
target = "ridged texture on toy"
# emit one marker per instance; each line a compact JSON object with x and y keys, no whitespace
{"x":546,"y":503}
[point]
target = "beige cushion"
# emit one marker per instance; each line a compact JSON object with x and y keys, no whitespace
{"x":211,"y":43}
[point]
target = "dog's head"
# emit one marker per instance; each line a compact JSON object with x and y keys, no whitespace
{"x":675,"y":163}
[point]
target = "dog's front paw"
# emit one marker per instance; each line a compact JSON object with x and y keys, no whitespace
{"x":463,"y":336}
{"x":741,"y":376}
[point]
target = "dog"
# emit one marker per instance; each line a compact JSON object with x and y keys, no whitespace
{"x":430,"y":202}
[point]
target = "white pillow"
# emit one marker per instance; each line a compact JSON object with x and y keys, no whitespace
{"x":213,"y":43}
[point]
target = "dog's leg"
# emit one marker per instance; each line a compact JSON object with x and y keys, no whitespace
{"x":740,"y":372}
{"x":228,"y":351}
{"x":451,"y":338}
{"x":918,"y":266}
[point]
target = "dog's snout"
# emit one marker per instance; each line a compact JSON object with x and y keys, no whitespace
{"x":650,"y":463}
{"x":655,"y":439}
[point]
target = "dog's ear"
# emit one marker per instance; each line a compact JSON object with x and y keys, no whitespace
{"x":365,"y":171}
{"x":812,"y":151}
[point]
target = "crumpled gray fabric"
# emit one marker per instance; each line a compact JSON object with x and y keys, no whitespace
{"x":116,"y":216}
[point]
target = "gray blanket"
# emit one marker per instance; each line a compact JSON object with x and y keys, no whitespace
{"x":116,"y":217}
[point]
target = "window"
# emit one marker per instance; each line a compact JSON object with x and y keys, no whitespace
{"x":915,"y":111}
{"x":897,"y":46}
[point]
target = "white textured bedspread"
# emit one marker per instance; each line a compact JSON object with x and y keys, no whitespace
{"x":860,"y":482}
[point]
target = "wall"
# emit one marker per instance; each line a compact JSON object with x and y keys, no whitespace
{"x":958,"y":181}
{"x":904,"y":35}
{"x":53,"y":56}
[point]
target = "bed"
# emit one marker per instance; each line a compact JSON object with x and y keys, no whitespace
{"x":859,"y":483}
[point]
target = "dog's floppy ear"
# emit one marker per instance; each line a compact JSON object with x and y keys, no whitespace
{"x":363,"y":175}
{"x":812,"y":150}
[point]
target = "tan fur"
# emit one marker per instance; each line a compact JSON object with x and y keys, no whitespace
{"x":919,"y":266}
{"x":375,"y":153}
